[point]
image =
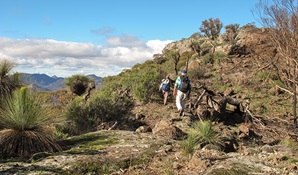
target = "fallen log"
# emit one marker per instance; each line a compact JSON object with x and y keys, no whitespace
{"x":216,"y":104}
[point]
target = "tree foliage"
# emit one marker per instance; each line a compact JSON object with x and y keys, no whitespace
{"x":211,"y":28}
{"x":146,"y":85}
{"x":231,"y":33}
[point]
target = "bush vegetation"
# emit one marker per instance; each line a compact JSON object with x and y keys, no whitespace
{"x":198,"y":73}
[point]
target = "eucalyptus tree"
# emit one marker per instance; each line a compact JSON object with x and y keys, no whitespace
{"x":211,"y":28}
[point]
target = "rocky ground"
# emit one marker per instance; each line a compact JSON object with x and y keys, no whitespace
{"x":158,"y":151}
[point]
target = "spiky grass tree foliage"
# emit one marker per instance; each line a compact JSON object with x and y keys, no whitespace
{"x":78,"y":83}
{"x":25,"y":119}
{"x":199,"y":135}
{"x":8,"y":81}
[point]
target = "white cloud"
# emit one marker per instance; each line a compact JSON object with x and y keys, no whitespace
{"x":125,"y":41}
{"x":68,"y":58}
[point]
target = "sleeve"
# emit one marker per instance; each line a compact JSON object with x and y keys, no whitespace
{"x":177,"y":82}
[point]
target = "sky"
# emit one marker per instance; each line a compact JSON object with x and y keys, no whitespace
{"x":103,"y":37}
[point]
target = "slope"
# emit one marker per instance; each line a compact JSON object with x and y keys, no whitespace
{"x":264,"y":144}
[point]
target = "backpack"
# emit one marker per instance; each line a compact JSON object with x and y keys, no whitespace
{"x":184,"y":84}
{"x":165,"y":85}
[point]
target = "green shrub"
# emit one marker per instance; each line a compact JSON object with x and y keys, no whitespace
{"x":146,"y":84}
{"x":220,"y":57}
{"x":208,"y":58}
{"x":197,"y":73}
{"x":78,"y":117}
{"x":105,"y":106}
{"x":114,"y":99}
{"x":143,"y":83}
{"x":287,"y":142}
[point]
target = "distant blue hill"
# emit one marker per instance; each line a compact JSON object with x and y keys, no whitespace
{"x":43,"y":82}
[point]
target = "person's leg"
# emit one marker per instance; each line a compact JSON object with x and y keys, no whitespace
{"x":183,"y":99}
{"x":179,"y":101}
{"x":165,"y":94}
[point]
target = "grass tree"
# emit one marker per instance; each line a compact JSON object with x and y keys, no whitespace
{"x":199,"y":135}
{"x":26,"y":120}
{"x":78,"y":84}
{"x":8,"y":81}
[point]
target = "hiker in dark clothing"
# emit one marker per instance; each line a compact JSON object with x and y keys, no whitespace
{"x":165,"y":87}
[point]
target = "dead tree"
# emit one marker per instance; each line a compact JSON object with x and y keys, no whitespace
{"x":88,"y":91}
{"x":215,"y":104}
{"x":280,"y":19}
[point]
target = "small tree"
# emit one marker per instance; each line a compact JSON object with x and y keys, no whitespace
{"x":211,"y":28}
{"x":175,"y":56}
{"x":280,"y":19}
{"x":78,"y":84}
{"x":231,"y":33}
{"x":195,"y":45}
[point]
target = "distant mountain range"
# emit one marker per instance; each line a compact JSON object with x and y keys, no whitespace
{"x":43,"y":82}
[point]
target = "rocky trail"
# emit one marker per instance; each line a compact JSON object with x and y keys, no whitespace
{"x":158,"y":150}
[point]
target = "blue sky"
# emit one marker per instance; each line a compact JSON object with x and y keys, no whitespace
{"x":67,"y":37}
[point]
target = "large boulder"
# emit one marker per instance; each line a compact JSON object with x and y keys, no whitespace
{"x":167,"y":129}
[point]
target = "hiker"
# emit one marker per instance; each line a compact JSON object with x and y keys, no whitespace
{"x":182,"y":89}
{"x":165,"y":87}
